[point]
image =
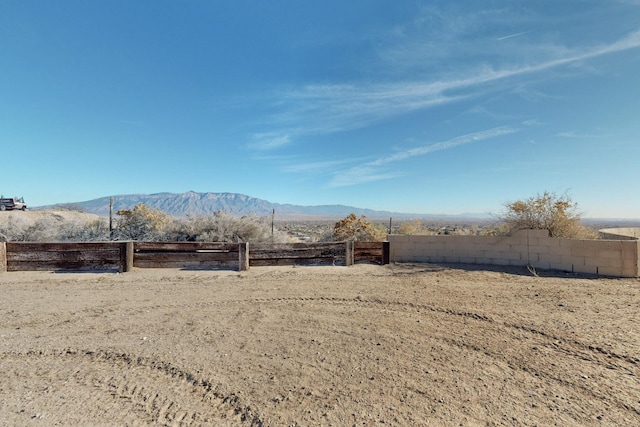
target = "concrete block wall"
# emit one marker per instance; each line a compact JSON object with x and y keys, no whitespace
{"x":619,"y":258}
{"x":628,"y":233}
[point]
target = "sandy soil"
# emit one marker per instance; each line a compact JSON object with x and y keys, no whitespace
{"x":401,"y":345}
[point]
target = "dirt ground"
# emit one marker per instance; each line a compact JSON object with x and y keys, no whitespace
{"x":400,"y":345}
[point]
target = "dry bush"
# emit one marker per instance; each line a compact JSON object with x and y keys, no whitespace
{"x":42,"y":230}
{"x":558,"y":215}
{"x":54,"y":228}
{"x":416,"y":227}
{"x":358,"y":229}
{"x":224,"y":227}
{"x":84,"y":231}
{"x":142,"y":223}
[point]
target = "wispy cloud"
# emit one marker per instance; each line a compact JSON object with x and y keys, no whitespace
{"x":579,"y":135}
{"x":330,"y":108}
{"x":315,"y":167}
{"x":532,"y":122}
{"x":375,"y":171}
{"x":513,"y":35}
{"x":269,"y":140}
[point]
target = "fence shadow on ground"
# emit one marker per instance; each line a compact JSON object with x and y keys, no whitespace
{"x":417,"y":267}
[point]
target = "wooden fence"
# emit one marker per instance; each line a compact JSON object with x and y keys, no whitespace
{"x":63,"y":256}
{"x":377,"y":252}
{"x":123,"y":256}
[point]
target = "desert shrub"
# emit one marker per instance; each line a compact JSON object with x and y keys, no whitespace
{"x":223,"y":227}
{"x":142,"y":223}
{"x":358,"y":229}
{"x":558,"y":215}
{"x":84,"y":231}
{"x":377,"y":233}
{"x":39,"y":231}
{"x":53,"y":228}
{"x":413,"y":227}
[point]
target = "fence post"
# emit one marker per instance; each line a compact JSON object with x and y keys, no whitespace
{"x":126,"y":257}
{"x":349,"y":260}
{"x":386,"y":248}
{"x":243,"y":255}
{"x":3,"y":257}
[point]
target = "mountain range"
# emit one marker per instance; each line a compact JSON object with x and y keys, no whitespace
{"x":198,"y":204}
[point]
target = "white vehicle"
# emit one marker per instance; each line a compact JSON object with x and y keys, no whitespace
{"x":7,"y":204}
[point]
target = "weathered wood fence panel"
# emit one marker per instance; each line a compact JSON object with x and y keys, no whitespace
{"x":24,"y":256}
{"x":264,"y":254}
{"x":123,"y":256}
{"x":197,"y":255}
{"x":377,"y":252}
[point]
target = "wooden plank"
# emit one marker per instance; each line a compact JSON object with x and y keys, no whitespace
{"x":46,"y":256}
{"x":295,"y":261}
{"x":298,"y":250}
{"x":296,"y":254}
{"x":299,"y":246}
{"x":366,"y":252}
{"x":368,"y":245}
{"x":369,"y":258}
{"x":184,"y":256}
{"x":184,"y":246}
{"x":200,"y":265}
{"x":185,"y":259}
{"x":377,"y":252}
{"x":62,"y":266}
{"x":326,"y":253}
{"x":96,"y":256}
{"x":60,"y":247}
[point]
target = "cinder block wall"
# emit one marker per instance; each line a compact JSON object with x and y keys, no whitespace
{"x":618,"y":258}
{"x":629,"y":233}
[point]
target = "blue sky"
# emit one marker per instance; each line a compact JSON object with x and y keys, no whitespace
{"x":419,"y":107}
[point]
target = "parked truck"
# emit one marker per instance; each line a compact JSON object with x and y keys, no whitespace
{"x":12,"y":203}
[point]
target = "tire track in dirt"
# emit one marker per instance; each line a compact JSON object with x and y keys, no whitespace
{"x":601,"y":359}
{"x":143,"y":383}
{"x":634,"y":361}
{"x":470,"y":315}
{"x":568,"y":346}
{"x":163,"y":409}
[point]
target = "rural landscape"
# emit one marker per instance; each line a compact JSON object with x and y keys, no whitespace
{"x":368,"y":344}
{"x":305,"y":214}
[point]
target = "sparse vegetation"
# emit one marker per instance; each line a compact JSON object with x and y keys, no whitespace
{"x":223,"y":227}
{"x":359,"y":229}
{"x":413,"y":227}
{"x":558,"y":215}
{"x":142,"y":223}
{"x":546,"y":211}
{"x":54,"y":227}
{"x":91,"y":231}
